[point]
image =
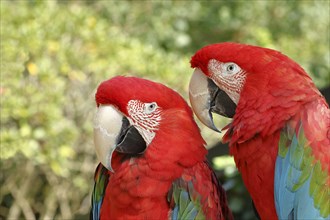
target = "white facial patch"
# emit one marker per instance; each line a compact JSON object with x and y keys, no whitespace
{"x":145,"y":117}
{"x":229,"y":77}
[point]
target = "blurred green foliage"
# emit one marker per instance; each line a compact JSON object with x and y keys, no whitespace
{"x":54,"y":54}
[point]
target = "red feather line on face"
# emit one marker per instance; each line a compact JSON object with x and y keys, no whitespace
{"x":275,"y":91}
{"x":140,"y":185}
{"x":120,"y":90}
{"x":149,"y":122}
{"x":273,"y":82}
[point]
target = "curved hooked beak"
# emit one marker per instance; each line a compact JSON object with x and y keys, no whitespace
{"x":113,"y":132}
{"x":206,"y":98}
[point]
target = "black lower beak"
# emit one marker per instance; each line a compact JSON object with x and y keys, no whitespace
{"x":220,"y":101}
{"x":130,"y":141}
{"x":207,"y":98}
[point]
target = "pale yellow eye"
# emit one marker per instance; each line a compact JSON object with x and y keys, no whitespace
{"x":150,"y":107}
{"x":231,"y":68}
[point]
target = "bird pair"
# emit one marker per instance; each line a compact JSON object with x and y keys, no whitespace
{"x":153,"y":157}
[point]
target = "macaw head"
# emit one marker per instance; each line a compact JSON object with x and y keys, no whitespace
{"x":134,"y":115}
{"x":232,"y":77}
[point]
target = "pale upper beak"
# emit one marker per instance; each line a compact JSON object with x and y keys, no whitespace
{"x":206,"y":98}
{"x":113,"y":132}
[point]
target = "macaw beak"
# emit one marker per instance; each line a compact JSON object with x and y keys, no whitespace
{"x":113,"y":132}
{"x":206,"y":98}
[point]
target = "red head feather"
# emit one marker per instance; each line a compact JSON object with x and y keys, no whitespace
{"x":119,"y":90}
{"x":273,"y":93}
{"x":272,"y":80}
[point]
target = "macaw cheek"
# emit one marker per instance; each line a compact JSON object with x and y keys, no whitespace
{"x":107,"y":126}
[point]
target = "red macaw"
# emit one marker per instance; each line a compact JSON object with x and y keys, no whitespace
{"x":279,"y":134}
{"x":153,"y":163}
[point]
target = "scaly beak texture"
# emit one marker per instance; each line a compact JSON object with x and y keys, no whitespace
{"x":107,"y":126}
{"x":207,"y":98}
{"x":200,"y":99}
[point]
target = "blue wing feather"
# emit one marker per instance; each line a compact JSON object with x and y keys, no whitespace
{"x":283,"y":197}
{"x":101,"y":181}
{"x":184,"y":205}
{"x":198,"y":195}
{"x":293,"y":199}
{"x":304,"y":204}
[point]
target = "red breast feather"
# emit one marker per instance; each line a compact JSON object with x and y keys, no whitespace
{"x":140,"y":185}
{"x":276,"y":89}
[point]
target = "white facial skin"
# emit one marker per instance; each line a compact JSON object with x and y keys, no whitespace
{"x":145,"y":117}
{"x":229,"y":77}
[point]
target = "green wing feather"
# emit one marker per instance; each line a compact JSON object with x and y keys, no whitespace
{"x":197,"y":194}
{"x":101,"y":181}
{"x":185,"y":202}
{"x":301,"y":190}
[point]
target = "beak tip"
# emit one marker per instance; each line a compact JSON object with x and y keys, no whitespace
{"x":212,"y":126}
{"x":199,"y":96}
{"x":216,"y":130}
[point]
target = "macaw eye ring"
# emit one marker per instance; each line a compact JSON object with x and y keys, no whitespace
{"x":150,"y":107}
{"x":231,"y":68}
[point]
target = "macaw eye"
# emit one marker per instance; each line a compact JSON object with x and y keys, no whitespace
{"x":150,"y":107}
{"x":231,"y":68}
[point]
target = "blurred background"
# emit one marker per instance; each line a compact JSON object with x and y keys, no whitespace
{"x":55,"y":53}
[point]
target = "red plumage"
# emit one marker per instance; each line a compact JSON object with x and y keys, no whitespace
{"x":276,"y":91}
{"x":140,"y":187}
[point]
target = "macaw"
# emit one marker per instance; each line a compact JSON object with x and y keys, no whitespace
{"x":279,"y":134}
{"x":153,"y":159}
